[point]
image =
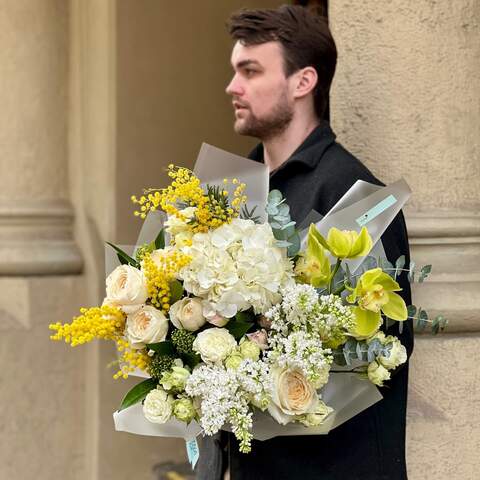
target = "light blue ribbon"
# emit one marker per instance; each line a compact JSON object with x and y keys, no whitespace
{"x":376,"y":210}
{"x":193,"y":451}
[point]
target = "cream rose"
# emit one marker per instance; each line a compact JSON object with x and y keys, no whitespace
{"x":377,"y":373}
{"x":157,"y":407}
{"x":147,"y":325}
{"x":292,"y":395}
{"x":214,"y":344}
{"x":187,"y":314}
{"x":126,"y":289}
{"x":398,"y":355}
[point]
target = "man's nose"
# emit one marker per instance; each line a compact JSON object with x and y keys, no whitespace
{"x":234,"y":87}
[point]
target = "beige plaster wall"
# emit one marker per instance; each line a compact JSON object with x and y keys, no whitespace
{"x":406,"y":100}
{"x":173,"y":68}
{"x":407,"y":94}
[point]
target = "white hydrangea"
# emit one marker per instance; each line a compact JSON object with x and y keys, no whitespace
{"x":237,"y":266}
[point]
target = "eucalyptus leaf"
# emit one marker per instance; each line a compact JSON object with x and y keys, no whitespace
{"x":424,"y":272}
{"x":276,"y":226}
{"x":386,"y":266}
{"x":339,"y":357}
{"x":295,"y":245}
{"x":411,"y":272}
{"x":399,"y":264}
{"x":411,"y":310}
{"x":275,"y":196}
{"x":282,"y":244}
{"x":138,"y":393}
{"x":284,"y":209}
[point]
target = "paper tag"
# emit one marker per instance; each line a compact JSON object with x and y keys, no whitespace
{"x":376,"y":210}
{"x":192,"y":451}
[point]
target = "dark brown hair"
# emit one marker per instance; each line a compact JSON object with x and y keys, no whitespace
{"x":305,"y":39}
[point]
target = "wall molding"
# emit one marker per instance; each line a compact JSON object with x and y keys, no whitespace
{"x":36,"y":238}
{"x":450,"y":241}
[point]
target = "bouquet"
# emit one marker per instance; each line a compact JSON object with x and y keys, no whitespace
{"x":239,"y":320}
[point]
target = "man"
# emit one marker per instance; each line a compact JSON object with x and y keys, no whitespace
{"x":284,"y":61}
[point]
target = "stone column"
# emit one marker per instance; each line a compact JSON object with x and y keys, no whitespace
{"x":406,"y":100}
{"x":36,"y":217}
{"x":42,"y":383}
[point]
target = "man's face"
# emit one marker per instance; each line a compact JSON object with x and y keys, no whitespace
{"x":261,"y":93}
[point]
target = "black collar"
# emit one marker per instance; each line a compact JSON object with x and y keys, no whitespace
{"x":308,"y":153}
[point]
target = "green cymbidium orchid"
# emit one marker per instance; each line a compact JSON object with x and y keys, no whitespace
{"x":314,"y":266}
{"x":346,"y":243}
{"x":375,"y":292}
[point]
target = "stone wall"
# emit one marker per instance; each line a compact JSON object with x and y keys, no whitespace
{"x":406,"y":100}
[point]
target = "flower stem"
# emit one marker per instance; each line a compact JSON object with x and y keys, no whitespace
{"x":335,"y":270}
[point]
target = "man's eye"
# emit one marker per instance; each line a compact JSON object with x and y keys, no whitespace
{"x":249,"y":72}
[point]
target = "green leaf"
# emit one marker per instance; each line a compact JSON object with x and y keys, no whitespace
{"x":160,"y":240}
{"x":191,"y":359}
{"x":176,"y":291}
{"x":164,"y":348}
{"x":138,"y":393}
{"x":238,"y":328}
{"x":246,"y":316}
{"x":124,"y":258}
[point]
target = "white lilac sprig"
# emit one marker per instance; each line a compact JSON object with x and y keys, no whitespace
{"x":303,"y":351}
{"x":225,"y":396}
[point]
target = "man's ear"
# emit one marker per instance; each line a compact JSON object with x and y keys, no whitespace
{"x":306,"y":80}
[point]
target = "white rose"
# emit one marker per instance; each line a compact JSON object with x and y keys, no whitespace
{"x":187,"y":314}
{"x":398,"y":355}
{"x":126,"y":288}
{"x":318,"y":416}
{"x":147,"y":325}
{"x":377,"y":373}
{"x":214,"y":344}
{"x":157,"y":407}
{"x":292,"y":395}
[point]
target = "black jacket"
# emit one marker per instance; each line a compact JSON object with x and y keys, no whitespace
{"x":372,"y":444}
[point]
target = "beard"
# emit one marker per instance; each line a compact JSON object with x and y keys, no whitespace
{"x":271,"y":125}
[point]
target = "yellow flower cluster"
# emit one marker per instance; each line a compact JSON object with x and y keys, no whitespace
{"x":160,"y":273}
{"x":130,"y":359}
{"x":104,"y":322}
{"x":238,"y":197}
{"x":212,"y":207}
